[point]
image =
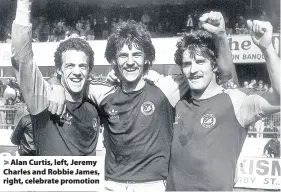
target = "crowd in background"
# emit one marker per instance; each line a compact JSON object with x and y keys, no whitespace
{"x":10,"y":100}
{"x":59,"y":20}
{"x":253,"y":84}
{"x":10,"y":92}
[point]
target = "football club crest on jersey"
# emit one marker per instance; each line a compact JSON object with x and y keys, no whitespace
{"x":208,"y":121}
{"x":147,"y":108}
{"x":95,"y":123}
{"x":66,"y":118}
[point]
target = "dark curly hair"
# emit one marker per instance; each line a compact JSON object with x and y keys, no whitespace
{"x":74,"y":44}
{"x":130,"y":33}
{"x":197,"y":43}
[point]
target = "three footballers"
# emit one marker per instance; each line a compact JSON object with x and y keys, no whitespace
{"x":138,"y":115}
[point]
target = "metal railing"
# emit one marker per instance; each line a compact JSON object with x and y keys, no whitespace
{"x":7,"y":116}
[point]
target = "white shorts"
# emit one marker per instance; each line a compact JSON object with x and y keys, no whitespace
{"x":150,"y":186}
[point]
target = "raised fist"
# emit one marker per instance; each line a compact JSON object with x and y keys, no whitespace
{"x":213,"y":22}
{"x":24,"y":5}
{"x":261,"y":32}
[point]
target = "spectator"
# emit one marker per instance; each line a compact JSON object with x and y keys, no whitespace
{"x":260,"y":126}
{"x":269,"y":130}
{"x":252,"y":131}
{"x":9,"y":101}
{"x":231,"y":85}
{"x":243,"y":29}
{"x":241,"y":21}
{"x":96,"y":28}
{"x":90,"y":34}
{"x":272,"y":148}
{"x":23,"y":134}
{"x":67,"y":35}
{"x":88,"y":25}
{"x":266,"y":131}
{"x":196,"y":20}
{"x":260,"y":86}
{"x":189,"y":23}
{"x":146,"y":20}
{"x":83,"y":32}
{"x":246,"y":84}
{"x":7,"y":37}
{"x":253,"y":84}
{"x":113,"y":23}
{"x":237,"y":29}
{"x":45,"y":33}
{"x":266,"y":87}
{"x":228,"y":29}
{"x":2,"y":113}
{"x":2,"y":88}
{"x":264,"y":16}
{"x":53,"y":35}
{"x":79,"y":25}
{"x":105,"y":28}
{"x":273,"y":127}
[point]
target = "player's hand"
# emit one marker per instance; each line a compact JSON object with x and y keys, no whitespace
{"x":213,"y":22}
{"x":57,"y":100}
{"x":111,"y":78}
{"x":261,"y":32}
{"x":152,"y":77}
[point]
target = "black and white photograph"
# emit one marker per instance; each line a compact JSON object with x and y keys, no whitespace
{"x":155,"y":95}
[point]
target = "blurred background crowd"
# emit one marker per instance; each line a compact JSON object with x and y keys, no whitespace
{"x":59,"y":19}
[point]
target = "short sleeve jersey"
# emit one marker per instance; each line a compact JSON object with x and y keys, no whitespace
{"x":138,"y":127}
{"x":76,"y":132}
{"x":73,"y":134}
{"x":207,"y":140}
{"x":138,"y":134}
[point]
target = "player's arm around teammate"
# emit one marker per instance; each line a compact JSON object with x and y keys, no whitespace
{"x":174,"y":87}
{"x":34,"y":88}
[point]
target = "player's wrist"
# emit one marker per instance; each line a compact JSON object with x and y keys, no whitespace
{"x":221,"y":40}
{"x":267,"y":49}
{"x":220,"y":36}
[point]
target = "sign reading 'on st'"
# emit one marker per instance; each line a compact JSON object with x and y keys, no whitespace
{"x":258,"y":173}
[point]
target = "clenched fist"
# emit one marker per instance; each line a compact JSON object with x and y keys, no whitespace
{"x":24,"y":5}
{"x":261,"y":32}
{"x":213,"y":22}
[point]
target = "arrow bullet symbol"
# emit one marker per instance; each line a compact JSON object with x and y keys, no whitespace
{"x":6,"y":162}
